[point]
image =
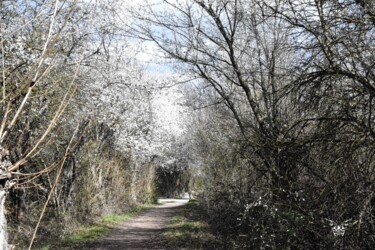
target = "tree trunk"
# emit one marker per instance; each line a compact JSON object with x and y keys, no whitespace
{"x":3,"y":221}
{"x":5,"y":185}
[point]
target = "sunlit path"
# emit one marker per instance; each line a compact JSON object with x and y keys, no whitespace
{"x":142,"y":232}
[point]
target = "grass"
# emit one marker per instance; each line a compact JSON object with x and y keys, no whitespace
{"x":94,"y":231}
{"x":102,"y":227}
{"x":189,"y":229}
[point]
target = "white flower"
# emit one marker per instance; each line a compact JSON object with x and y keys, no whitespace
{"x":338,"y":230}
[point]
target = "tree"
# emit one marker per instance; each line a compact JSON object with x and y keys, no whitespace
{"x":40,"y":44}
{"x":300,"y":93}
{"x":25,"y":66}
{"x":239,"y":54}
{"x":76,"y":110}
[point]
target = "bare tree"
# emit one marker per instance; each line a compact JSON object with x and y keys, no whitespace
{"x":297,"y":78}
{"x":34,"y":46}
{"x":243,"y":56}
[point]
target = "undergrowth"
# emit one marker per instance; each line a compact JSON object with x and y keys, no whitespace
{"x":190,"y":230}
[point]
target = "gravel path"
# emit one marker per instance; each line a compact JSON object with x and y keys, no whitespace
{"x":143,"y":231}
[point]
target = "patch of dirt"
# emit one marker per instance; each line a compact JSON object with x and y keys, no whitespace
{"x":143,"y":231}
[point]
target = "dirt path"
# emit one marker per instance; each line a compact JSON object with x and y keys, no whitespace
{"x":142,"y":232}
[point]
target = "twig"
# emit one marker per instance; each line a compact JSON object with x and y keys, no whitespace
{"x":54,"y":185}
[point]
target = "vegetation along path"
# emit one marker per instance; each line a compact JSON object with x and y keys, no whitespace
{"x":142,"y":232}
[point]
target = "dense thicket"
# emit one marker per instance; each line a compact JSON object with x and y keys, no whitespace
{"x":285,"y":128}
{"x":75,"y":119}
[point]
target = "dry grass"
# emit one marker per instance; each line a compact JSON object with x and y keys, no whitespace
{"x":189,"y":230}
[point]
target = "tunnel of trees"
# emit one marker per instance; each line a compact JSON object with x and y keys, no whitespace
{"x":263,"y":109}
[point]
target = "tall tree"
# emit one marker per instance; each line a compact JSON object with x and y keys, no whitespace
{"x":297,"y":78}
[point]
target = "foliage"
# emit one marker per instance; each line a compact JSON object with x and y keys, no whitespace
{"x":75,"y":118}
{"x":283,"y":122}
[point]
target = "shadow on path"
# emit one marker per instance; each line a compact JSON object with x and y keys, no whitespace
{"x":142,"y":232}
